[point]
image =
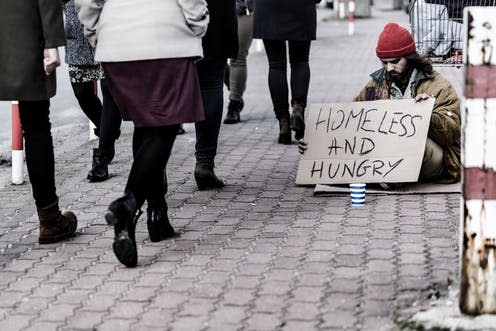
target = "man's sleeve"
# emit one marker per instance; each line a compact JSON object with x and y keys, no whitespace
{"x":52,"y":23}
{"x":444,"y":128}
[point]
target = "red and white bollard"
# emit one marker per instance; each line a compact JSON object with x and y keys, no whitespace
{"x":478,"y":232}
{"x":17,"y":146}
{"x":342,"y":9}
{"x":351,"y":17}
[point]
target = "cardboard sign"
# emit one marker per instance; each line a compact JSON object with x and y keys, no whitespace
{"x":365,"y":142}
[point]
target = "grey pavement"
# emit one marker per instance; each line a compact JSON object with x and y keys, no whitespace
{"x":259,"y":254}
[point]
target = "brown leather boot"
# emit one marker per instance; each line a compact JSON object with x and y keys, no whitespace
{"x":54,"y":225}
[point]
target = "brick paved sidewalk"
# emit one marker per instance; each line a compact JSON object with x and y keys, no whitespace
{"x":260,"y":254}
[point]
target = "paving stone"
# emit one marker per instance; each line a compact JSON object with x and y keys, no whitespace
{"x":263,"y":322}
{"x":14,"y":323}
{"x":112,"y":324}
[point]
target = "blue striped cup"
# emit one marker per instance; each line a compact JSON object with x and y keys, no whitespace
{"x":357,"y":192}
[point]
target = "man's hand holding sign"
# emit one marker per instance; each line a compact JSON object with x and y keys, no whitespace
{"x":367,"y":142}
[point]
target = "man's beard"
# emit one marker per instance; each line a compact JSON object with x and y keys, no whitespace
{"x":395,"y":77}
{"x":400,"y":79}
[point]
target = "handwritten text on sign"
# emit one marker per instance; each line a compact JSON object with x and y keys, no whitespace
{"x":365,"y":142}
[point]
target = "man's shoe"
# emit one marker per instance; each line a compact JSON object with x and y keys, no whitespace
{"x":204,"y":174}
{"x":99,"y":169}
{"x":54,"y":225}
{"x":233,"y":110}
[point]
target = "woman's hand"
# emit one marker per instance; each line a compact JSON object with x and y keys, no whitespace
{"x":51,"y":60}
{"x":302,"y":146}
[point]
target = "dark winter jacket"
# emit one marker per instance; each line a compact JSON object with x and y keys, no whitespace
{"x":444,"y":127}
{"x":221,"y":40}
{"x":244,"y":7}
{"x":285,"y":20}
{"x":78,"y":50}
{"x":26,"y":29}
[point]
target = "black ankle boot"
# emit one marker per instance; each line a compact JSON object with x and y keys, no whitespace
{"x":99,"y":170}
{"x":233,"y":110}
{"x":204,"y":174}
{"x":284,"y":131}
{"x":298,"y":121}
{"x":122,"y":214}
{"x":157,"y":222}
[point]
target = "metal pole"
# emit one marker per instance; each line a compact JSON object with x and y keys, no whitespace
{"x":17,"y":146}
{"x":478,"y":233}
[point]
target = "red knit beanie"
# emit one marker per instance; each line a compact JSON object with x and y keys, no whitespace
{"x":394,"y":41}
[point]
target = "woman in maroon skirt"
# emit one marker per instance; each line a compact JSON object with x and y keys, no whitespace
{"x":147,"y":49}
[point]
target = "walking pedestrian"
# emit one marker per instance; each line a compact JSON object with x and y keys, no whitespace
{"x":287,"y":24}
{"x":237,"y":70}
{"x":30,"y":33}
{"x":154,"y":85}
{"x":84,"y":72}
{"x":219,"y":44}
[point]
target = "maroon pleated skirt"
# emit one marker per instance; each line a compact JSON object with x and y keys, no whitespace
{"x":156,"y":92}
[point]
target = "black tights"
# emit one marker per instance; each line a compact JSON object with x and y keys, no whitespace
{"x":300,"y":73}
{"x":39,"y":150}
{"x":89,"y":102}
{"x":151,"y":151}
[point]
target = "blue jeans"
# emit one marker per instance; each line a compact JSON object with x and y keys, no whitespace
{"x":211,"y":76}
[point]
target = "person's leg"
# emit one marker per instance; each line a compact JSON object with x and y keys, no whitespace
{"x":151,"y":149}
{"x":432,"y":163}
{"x":89,"y":102}
{"x":300,"y":80}
{"x":238,"y":70}
{"x":54,"y":225}
{"x":278,"y":86}
{"x":300,"y":71}
{"x":210,"y":74}
{"x":109,"y":132}
{"x":39,"y":150}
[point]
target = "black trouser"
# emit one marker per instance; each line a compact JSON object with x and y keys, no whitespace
{"x":151,"y":151}
{"x":89,"y":102}
{"x":300,"y":73}
{"x":109,"y":125}
{"x":39,"y":150}
{"x":211,"y":77}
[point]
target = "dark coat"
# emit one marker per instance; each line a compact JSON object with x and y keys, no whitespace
{"x":26,"y":29}
{"x":78,"y":50}
{"x":221,"y":40}
{"x":285,"y":20}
